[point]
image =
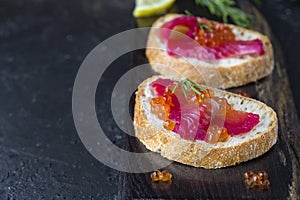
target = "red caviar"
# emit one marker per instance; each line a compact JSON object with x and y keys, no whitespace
{"x":198,"y":115}
{"x":216,"y":40}
{"x":158,"y":175}
{"x":259,"y":180}
{"x":215,"y":35}
{"x":242,"y":93}
{"x":211,"y":34}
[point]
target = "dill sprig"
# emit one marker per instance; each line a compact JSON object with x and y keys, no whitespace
{"x":202,"y":25}
{"x":188,"y":13}
{"x":225,"y":9}
{"x":186,"y":83}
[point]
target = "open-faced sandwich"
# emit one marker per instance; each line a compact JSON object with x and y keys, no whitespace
{"x":239,"y":55}
{"x":201,"y":126}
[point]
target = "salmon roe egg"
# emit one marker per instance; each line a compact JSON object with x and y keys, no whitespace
{"x":158,"y":175}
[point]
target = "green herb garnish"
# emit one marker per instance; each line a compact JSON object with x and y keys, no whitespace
{"x":225,"y":10}
{"x":202,"y":25}
{"x":186,"y":83}
{"x":188,"y":13}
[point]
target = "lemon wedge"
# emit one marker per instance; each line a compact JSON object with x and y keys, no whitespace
{"x":145,"y":8}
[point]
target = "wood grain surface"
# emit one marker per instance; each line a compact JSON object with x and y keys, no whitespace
{"x":281,"y":162}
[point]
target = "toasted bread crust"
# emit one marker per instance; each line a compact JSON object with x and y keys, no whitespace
{"x":234,"y":75}
{"x":193,"y":153}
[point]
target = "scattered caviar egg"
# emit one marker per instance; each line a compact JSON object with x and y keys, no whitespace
{"x":248,"y":174}
{"x":263,"y":174}
{"x":257,"y":180}
{"x":242,"y":93}
{"x":265,"y":184}
{"x":164,"y":176}
{"x":249,"y":183}
{"x":154,"y":176}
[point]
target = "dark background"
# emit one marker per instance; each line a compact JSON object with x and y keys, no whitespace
{"x":42,"y":44}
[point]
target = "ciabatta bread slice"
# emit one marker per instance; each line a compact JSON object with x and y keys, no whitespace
{"x":150,"y":131}
{"x":233,"y":71}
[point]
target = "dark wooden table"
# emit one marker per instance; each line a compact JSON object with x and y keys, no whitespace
{"x":281,"y":162}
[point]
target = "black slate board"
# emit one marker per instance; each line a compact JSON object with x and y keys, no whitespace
{"x":281,"y":162}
